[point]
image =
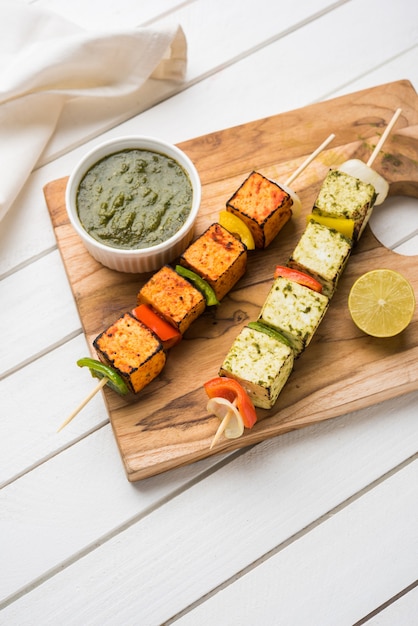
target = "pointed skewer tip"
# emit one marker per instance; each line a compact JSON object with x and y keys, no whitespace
{"x":82,"y":404}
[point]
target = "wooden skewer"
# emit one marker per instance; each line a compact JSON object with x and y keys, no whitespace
{"x":86,"y":400}
{"x":384,"y":137}
{"x":224,"y":423}
{"x":310,"y":158}
{"x":222,"y":426}
{"x":226,"y":419}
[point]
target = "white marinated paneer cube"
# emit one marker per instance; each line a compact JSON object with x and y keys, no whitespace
{"x":343,"y":195}
{"x":294,"y":310}
{"x":260,"y":363}
{"x":323,"y":253}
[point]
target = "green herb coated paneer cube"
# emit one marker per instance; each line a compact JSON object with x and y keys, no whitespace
{"x":260,"y":363}
{"x":294,"y":310}
{"x":323,"y":253}
{"x":343,"y":195}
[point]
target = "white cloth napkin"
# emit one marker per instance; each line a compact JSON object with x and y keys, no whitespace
{"x":46,"y":62}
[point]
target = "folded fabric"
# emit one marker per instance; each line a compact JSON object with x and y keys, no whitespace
{"x":47,"y":62}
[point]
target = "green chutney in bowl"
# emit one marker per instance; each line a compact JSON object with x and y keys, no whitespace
{"x":134,"y":201}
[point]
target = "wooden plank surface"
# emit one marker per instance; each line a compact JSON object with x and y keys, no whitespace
{"x":342,"y":369}
{"x":231,"y":519}
{"x":75,"y":552}
{"x":307,"y":563}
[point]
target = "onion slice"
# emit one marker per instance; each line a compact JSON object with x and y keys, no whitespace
{"x":360,"y":170}
{"x":297,"y":204}
{"x":226,"y":410}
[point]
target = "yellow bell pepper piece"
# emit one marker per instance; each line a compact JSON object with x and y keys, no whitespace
{"x":344,"y":225}
{"x":238,"y":228}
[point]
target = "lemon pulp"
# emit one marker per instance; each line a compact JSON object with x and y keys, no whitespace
{"x":381,"y":303}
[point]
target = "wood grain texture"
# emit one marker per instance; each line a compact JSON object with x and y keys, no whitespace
{"x":342,"y":370}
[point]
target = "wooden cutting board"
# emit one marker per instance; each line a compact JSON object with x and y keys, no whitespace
{"x":342,"y":369}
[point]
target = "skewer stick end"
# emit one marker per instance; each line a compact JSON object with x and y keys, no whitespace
{"x":82,"y":404}
{"x":310,"y":158}
{"x":221,"y":428}
{"x":384,"y":137}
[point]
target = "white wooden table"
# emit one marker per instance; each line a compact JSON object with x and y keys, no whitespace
{"x":316,"y":527}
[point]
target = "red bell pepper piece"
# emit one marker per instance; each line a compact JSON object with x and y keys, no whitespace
{"x":166,"y":333}
{"x":298,"y":277}
{"x":230,"y":389}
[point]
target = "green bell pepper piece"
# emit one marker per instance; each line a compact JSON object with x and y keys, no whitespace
{"x":272,"y":332}
{"x":100,"y":370}
{"x":200,"y":283}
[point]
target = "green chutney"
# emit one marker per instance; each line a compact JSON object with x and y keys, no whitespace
{"x":134,"y":199}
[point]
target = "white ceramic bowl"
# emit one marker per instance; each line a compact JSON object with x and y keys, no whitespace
{"x":144,"y":259}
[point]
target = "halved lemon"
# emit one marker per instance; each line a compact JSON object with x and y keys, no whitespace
{"x":381,"y":303}
{"x":237,"y":227}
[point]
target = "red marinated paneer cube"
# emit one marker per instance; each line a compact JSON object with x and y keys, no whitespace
{"x":133,"y":350}
{"x":218,"y":257}
{"x":173,"y":297}
{"x":263,"y":205}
